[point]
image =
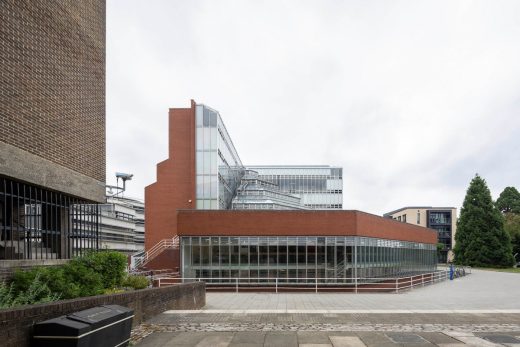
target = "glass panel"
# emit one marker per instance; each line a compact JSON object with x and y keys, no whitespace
{"x":205,"y":251}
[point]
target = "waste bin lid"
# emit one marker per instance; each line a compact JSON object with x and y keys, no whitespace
{"x":61,"y":326}
{"x":102,"y":315}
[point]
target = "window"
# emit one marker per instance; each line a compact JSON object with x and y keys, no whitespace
{"x":418,"y":217}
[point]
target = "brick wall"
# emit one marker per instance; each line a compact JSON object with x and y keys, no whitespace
{"x":298,"y":223}
{"x":175,"y":186}
{"x":16,"y":325}
{"x":52,"y":81}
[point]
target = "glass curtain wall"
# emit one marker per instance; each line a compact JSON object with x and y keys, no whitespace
{"x":302,"y":259}
{"x":218,"y":166}
{"x":319,"y":187}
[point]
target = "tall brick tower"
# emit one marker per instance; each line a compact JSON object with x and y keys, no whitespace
{"x":52,"y":126}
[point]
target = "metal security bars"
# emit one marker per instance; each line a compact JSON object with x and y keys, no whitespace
{"x":36,"y":223}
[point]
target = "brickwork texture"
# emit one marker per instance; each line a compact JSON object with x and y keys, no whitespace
{"x":52,"y":81}
{"x":175,"y":185}
{"x":298,"y":223}
{"x":16,"y":325}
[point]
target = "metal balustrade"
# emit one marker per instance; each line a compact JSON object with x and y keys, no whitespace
{"x":355,"y":285}
{"x":144,"y":258}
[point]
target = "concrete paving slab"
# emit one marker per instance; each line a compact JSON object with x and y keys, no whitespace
{"x":314,"y":345}
{"x":313,"y":337}
{"x":221,"y":340}
{"x":471,"y":339}
{"x":188,"y":338}
{"x":256,"y":337}
{"x":466,"y":294}
{"x":372,"y":339}
{"x":157,"y":339}
{"x":439,"y":338}
{"x":280,"y":339}
{"x":500,"y":338}
{"x":346,"y":341}
{"x":407,"y":339}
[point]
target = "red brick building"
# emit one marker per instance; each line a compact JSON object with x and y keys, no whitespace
{"x":254,"y":244}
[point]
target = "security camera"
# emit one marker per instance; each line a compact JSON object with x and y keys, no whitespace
{"x":124,"y":176}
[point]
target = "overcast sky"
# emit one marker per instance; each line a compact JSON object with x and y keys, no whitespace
{"x":411,"y":98}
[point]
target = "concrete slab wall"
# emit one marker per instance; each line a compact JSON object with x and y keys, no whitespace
{"x":21,"y":165}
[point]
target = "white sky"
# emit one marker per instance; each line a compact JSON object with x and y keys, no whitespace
{"x":411,"y":98}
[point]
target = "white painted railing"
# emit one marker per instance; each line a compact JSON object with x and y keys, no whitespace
{"x":355,"y":285}
{"x":173,"y":243}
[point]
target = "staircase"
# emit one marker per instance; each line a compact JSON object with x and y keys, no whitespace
{"x":21,"y":250}
{"x":141,"y":259}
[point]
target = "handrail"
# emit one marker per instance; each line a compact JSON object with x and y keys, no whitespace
{"x":359,"y":284}
{"x":157,"y":249}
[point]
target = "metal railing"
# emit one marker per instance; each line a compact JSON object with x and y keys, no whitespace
{"x":355,"y":285}
{"x":141,"y":260}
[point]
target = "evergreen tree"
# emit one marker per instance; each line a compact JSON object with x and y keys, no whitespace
{"x":481,"y":239}
{"x":509,"y":201}
{"x":512,"y":226}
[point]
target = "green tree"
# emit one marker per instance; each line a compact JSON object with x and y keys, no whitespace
{"x":481,"y":239}
{"x":509,"y":200}
{"x":512,"y":226}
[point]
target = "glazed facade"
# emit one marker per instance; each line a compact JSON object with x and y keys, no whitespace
{"x":218,"y":166}
{"x":220,"y":175}
{"x":441,"y":219}
{"x":318,"y":187}
{"x":334,"y":259}
{"x":255,"y":193}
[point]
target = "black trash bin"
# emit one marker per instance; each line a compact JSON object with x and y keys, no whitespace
{"x":108,"y":325}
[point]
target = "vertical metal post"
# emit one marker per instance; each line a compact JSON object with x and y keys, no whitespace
{"x":236,"y":284}
{"x":355,"y":263}
{"x":422,"y":278}
{"x":316,"y":282}
{"x":396,"y":286}
{"x":277,"y":284}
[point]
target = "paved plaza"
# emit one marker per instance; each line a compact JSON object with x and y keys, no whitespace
{"x":482,"y":290}
{"x":482,"y":309}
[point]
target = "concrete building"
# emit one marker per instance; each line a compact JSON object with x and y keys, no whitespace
{"x":442,"y":219}
{"x":121,"y":225}
{"x":52,"y":126}
{"x":190,"y":223}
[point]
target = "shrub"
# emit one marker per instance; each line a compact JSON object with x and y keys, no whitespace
{"x":88,"y":282}
{"x":37,"y":292}
{"x":6,"y":295}
{"x":93,"y":274}
{"x":136,"y":282}
{"x":110,"y":265}
{"x":60,"y":280}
